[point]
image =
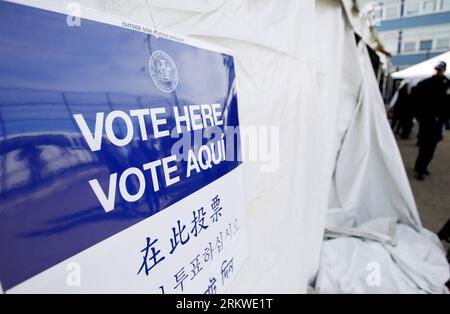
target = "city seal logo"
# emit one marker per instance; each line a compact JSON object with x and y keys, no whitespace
{"x":163,"y":71}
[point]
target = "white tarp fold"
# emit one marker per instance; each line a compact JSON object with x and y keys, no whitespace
{"x":369,"y":251}
{"x":416,"y":264}
{"x":370,"y":180}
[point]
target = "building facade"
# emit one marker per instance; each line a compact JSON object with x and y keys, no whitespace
{"x":413,"y":30}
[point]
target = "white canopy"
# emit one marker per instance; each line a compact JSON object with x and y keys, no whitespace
{"x":423,"y":69}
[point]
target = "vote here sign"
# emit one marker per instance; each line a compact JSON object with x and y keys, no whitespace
{"x":120,"y":166}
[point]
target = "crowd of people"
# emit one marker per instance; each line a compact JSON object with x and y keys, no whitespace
{"x":429,"y":104}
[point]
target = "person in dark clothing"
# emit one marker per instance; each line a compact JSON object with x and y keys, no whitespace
{"x":432,"y":101}
{"x":403,"y":112}
{"x":444,"y":235}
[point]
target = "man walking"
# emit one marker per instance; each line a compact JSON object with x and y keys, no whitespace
{"x":432,"y":98}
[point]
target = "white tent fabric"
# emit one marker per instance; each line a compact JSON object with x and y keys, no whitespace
{"x":369,"y":180}
{"x":424,"y":69}
{"x":370,"y":194}
{"x":415,"y":264}
{"x":296,"y":68}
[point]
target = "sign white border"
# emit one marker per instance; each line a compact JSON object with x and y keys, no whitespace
{"x":103,"y":17}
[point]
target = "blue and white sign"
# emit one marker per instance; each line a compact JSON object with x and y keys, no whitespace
{"x":120,"y":161}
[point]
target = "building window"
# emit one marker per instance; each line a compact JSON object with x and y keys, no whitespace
{"x":409,"y":46}
{"x":445,"y":4}
{"x":425,"y":45}
{"x":442,"y":43}
{"x":389,"y":39}
{"x":391,"y":11}
{"x":412,"y":7}
{"x":429,"y":6}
